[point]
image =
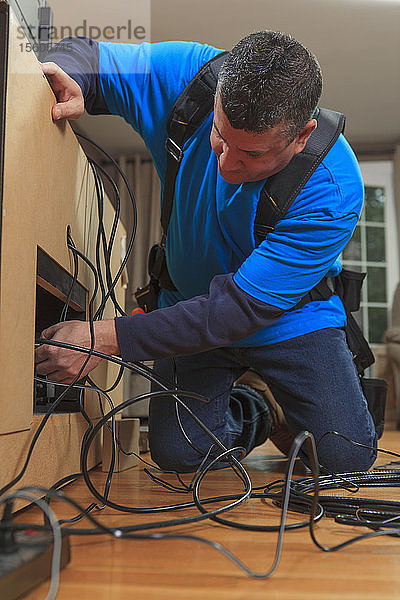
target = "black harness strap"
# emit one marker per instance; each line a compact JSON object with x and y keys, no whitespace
{"x":281,"y":189}
{"x":193,"y":105}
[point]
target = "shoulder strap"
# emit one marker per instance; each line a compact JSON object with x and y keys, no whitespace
{"x":281,"y":189}
{"x":190,"y":109}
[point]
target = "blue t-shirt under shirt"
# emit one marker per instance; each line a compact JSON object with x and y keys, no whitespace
{"x":211,"y":226}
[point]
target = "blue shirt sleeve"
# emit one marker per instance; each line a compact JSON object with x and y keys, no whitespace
{"x":79,"y":58}
{"x":141,"y":82}
{"x":226,"y":314}
{"x":306,"y":244}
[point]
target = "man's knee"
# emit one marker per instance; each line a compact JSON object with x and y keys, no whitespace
{"x":169,"y":457}
{"x":340,"y":456}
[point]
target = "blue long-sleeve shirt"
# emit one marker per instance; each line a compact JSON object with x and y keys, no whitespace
{"x":229,"y":292}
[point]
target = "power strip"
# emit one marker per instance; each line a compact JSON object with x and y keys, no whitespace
{"x":29,"y":563}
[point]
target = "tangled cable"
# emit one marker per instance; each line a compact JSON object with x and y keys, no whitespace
{"x":300,"y":495}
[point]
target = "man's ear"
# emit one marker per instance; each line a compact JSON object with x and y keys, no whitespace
{"x":301,"y":139}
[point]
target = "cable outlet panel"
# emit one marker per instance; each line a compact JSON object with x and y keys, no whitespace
{"x":53,"y":286}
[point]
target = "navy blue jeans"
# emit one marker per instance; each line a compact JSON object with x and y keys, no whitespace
{"x":312,"y":377}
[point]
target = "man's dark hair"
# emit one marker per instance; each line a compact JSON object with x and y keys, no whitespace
{"x":267,"y":79}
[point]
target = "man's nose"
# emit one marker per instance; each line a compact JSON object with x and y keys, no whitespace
{"x":228,"y":159}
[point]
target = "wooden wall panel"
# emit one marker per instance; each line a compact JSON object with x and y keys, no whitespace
{"x":48,"y":185}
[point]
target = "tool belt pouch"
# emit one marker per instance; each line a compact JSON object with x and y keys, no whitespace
{"x":375,"y":391}
{"x":348,"y":287}
{"x":157,"y":267}
{"x":147,"y":296}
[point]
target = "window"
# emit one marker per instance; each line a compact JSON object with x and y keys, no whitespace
{"x":374,"y":249}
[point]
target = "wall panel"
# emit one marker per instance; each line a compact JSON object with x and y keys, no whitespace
{"x":48,"y":186}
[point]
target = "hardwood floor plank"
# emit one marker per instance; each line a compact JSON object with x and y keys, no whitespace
{"x":103,"y":568}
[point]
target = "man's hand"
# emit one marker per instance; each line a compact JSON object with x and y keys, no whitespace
{"x":69,"y":95}
{"x":62,"y":364}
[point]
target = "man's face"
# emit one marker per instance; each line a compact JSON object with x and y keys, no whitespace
{"x":244,"y":156}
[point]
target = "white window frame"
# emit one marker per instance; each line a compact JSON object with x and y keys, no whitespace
{"x":380,"y":174}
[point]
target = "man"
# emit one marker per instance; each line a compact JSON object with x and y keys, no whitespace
{"x":231,"y":310}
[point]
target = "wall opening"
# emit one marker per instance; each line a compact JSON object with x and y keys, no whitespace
{"x":53,"y":286}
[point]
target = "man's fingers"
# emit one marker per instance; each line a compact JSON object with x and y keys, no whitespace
{"x":71,"y":109}
{"x":71,"y":104}
{"x":53,"y":376}
{"x":50,"y":69}
{"x":48,"y":333}
{"x":63,"y":364}
{"x":57,"y":78}
{"x":42,"y":352}
{"x":45,"y":368}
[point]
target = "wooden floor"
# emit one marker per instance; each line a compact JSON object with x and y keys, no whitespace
{"x":108,"y":569}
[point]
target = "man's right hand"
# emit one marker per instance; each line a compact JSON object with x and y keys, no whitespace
{"x":69,"y":95}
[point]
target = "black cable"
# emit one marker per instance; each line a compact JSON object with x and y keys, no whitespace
{"x":174,"y":391}
{"x":134,"y":367}
{"x":91,"y":317}
{"x":115,"y":383}
{"x":107,"y":248}
{"x":39,"y":430}
{"x":74,"y":476}
{"x":90,"y":437}
{"x":100,"y":228}
{"x":93,"y":387}
{"x":205,"y":455}
{"x":86,"y":434}
{"x":178,"y":417}
{"x":347,"y":510}
{"x":122,"y":533}
{"x":64,"y":311}
{"x":131,"y":197}
{"x":357,"y":443}
{"x":207,"y":514}
{"x":153,"y":509}
{"x":101,"y":422}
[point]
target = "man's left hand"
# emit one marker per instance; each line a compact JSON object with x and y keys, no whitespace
{"x":62,"y":364}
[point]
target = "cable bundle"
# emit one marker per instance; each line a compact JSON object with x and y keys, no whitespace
{"x":300,"y":495}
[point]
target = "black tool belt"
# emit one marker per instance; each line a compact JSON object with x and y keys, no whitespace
{"x":347,"y":285}
{"x":157,"y":267}
{"x":147,"y":296}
